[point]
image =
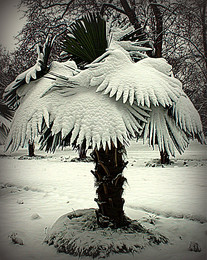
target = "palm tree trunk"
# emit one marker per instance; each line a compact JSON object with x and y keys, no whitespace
{"x":164,"y":157}
{"x":31,"y":148}
{"x":82,"y":151}
{"x":109,"y":165}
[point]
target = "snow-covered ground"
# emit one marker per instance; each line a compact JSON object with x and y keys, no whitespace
{"x":171,"y":200}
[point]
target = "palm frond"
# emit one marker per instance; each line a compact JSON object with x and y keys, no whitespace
{"x":188,"y":118}
{"x":162,"y":130}
{"x":40,"y":68}
{"x":115,"y":74}
{"x":87,"y":38}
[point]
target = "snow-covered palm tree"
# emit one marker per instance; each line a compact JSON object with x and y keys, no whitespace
{"x":111,"y":100}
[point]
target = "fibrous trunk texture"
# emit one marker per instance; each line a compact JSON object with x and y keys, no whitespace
{"x":109,"y":165}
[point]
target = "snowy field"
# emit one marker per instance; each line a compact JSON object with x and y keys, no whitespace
{"x":171,"y":200}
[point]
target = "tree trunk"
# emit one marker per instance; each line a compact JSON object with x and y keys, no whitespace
{"x":82,"y":151}
{"x":164,"y":157}
{"x":130,"y":12}
{"x":82,"y":154}
{"x":31,"y":148}
{"x":109,"y":165}
{"x":159,"y":28}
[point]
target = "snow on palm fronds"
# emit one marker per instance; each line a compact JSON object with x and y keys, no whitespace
{"x":38,"y":70}
{"x":91,"y":36}
{"x":116,"y":40}
{"x":112,"y":99}
{"x":134,"y":82}
{"x":172,"y":128}
{"x":187,"y":118}
{"x":163,"y":131}
{"x":79,"y":108}
{"x":75,"y":110}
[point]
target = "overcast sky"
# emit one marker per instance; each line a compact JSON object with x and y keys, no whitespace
{"x":10,"y":23}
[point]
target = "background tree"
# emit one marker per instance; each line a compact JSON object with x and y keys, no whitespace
{"x":6,"y":75}
{"x":5,"y":120}
{"x":7,"y":71}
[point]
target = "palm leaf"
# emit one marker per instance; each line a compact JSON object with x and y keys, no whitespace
{"x":188,"y":118}
{"x":162,"y":130}
{"x":37,"y":71}
{"x":87,"y":38}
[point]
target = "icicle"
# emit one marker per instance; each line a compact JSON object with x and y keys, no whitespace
{"x":109,"y":144}
{"x":96,"y":81}
{"x":104,"y":144}
{"x":81,"y":136}
{"x":108,"y":89}
{"x":147,"y":100}
{"x":125,"y":94}
{"x":98,"y":145}
{"x":27,"y":78}
{"x":103,"y":86}
{"x":113,"y":91}
{"x":131,"y":96}
{"x":119,"y":92}
{"x":75,"y":132}
{"x":114,"y":140}
{"x":46,"y":117}
{"x":121,"y":139}
{"x":139,"y":97}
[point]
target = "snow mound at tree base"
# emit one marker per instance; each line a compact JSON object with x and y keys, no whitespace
{"x":35,"y":157}
{"x":87,"y":159}
{"x":78,"y":234}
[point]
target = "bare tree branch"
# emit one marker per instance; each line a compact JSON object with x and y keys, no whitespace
{"x":105,"y":5}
